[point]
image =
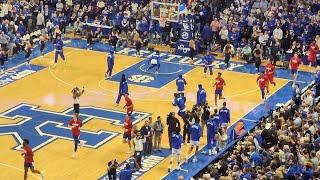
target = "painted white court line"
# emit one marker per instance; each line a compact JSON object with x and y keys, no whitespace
{"x":18,"y":169}
{"x":250,"y":120}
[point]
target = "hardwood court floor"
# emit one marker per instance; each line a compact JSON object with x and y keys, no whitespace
{"x":50,"y":90}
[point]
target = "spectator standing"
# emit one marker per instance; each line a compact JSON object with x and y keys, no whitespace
{"x":257,"y":54}
{"x":278,"y":34}
{"x":189,"y":120}
{"x":40,"y":21}
{"x":112,"y":169}
{"x":215,"y":28}
{"x":146,"y":131}
{"x":173,"y":125}
{"x":158,"y":131}
{"x":223,"y":37}
{"x":222,"y":138}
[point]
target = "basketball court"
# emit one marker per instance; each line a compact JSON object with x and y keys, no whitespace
{"x":36,"y":103}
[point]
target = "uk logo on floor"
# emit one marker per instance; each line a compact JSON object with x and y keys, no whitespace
{"x":18,"y":73}
{"x":42,"y":127}
{"x":140,"y":74}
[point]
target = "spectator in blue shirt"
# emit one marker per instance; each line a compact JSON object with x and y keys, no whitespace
{"x":126,"y":173}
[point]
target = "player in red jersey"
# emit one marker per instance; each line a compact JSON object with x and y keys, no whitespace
{"x":75,"y":125}
{"x":312,"y":53}
{"x":127,"y":135}
{"x":28,"y":160}
{"x":219,"y":88}
{"x":129,"y":105}
{"x":263,"y":83}
{"x":270,"y":72}
{"x":295,"y":62}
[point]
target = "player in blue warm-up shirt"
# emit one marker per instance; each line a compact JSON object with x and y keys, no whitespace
{"x":123,"y":88}
{"x":201,"y":96}
{"x":154,"y":62}
{"x":58,"y":50}
{"x":176,"y":142}
{"x":208,"y":60}
{"x":110,"y":62}
{"x":181,"y":83}
{"x":126,"y":173}
{"x":216,"y":118}
{"x":195,"y":134}
{"x":180,"y":102}
{"x":211,"y":131}
{"x":224,"y":114}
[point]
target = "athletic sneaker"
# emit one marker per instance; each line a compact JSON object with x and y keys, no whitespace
{"x":81,"y":143}
{"x":42,"y":174}
{"x":178,"y":168}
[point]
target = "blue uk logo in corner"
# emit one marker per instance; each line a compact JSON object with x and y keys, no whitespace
{"x":18,"y":73}
{"x":42,"y":127}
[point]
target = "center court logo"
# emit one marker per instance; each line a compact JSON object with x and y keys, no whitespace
{"x":141,"y":78}
{"x":42,"y":127}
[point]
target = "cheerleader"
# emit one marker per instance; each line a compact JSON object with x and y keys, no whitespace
{"x":76,"y":93}
{"x":89,"y":39}
{"x":114,"y":39}
{"x":57,"y":32}
{"x":49,"y":30}
{"x":138,"y":43}
{"x":28,"y":50}
{"x":228,"y":51}
{"x":42,"y":43}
